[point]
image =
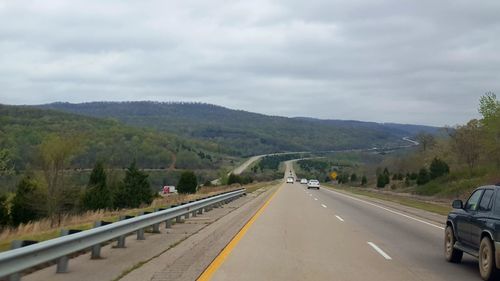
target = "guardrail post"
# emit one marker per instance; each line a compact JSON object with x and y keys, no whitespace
{"x":168,"y":223}
{"x":96,"y":249}
{"x":186,"y":216}
{"x":62,"y":262}
{"x":120,"y":241}
{"x":178,"y":219}
{"x":200,"y":211}
{"x":15,"y":245}
{"x":140,"y":232}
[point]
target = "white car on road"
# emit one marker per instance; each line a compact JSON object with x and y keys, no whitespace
{"x":289,"y":180}
{"x":313,"y":184}
{"x":303,"y":181}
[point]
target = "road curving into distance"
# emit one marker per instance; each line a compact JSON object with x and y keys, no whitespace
{"x":326,"y":235}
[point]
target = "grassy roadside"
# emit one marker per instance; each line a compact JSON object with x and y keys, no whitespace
{"x":41,"y":231}
{"x":405,"y":201}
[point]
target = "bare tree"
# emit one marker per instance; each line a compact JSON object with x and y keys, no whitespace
{"x":426,"y":140}
{"x":490,"y":109}
{"x":466,"y":142}
{"x":56,"y":153}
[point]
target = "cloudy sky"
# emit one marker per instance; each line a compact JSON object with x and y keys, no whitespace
{"x":421,"y":61}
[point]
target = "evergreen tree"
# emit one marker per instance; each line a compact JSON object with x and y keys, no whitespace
{"x":407,"y":181}
{"x":23,"y":209}
{"x":354,"y":178}
{"x":423,"y":176}
{"x":98,"y":195}
{"x":4,"y":211}
{"x":438,"y":168}
{"x":187,"y":183}
{"x":381,"y":181}
{"x":232,"y":179}
{"x":135,"y":189}
{"x":364,"y":180}
{"x":386,"y":172}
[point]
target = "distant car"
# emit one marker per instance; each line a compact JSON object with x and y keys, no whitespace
{"x":303,"y":181}
{"x":290,"y":180}
{"x":474,"y":228}
{"x":313,"y":184}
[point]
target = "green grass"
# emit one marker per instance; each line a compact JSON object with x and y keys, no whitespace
{"x":410,"y":202}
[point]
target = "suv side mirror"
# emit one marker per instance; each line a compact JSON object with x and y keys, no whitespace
{"x":457,"y":204}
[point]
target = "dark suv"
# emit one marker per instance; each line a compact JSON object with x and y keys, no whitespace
{"x":474,"y":228}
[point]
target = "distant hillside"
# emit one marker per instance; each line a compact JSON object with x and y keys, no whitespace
{"x":245,"y":133}
{"x":23,"y":128}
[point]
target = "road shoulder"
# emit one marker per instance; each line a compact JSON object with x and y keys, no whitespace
{"x":192,"y":256}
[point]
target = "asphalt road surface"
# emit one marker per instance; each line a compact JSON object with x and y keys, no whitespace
{"x":324,"y":235}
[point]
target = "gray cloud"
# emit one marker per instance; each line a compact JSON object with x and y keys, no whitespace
{"x":422,"y":62}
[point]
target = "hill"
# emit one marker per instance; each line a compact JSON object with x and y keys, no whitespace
{"x":244,"y":133}
{"x":23,"y":128}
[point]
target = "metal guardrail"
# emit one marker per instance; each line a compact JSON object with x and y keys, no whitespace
{"x":15,"y":261}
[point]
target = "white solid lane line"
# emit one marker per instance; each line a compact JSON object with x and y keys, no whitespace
{"x":339,"y":218}
{"x":388,"y":210}
{"x":382,"y":253}
{"x":323,"y":205}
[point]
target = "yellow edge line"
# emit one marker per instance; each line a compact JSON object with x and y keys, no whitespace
{"x":219,"y":260}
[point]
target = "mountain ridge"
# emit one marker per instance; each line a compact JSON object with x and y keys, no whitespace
{"x":245,"y":133}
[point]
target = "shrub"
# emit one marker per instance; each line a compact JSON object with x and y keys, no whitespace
{"x":188,"y":183}
{"x":423,"y":176}
{"x":364,"y":180}
{"x":134,"y":190}
{"x":4,"y":211}
{"x":354,"y":178}
{"x":438,"y":168}
{"x":98,"y":195}
{"x":23,"y":207}
{"x":382,"y":180}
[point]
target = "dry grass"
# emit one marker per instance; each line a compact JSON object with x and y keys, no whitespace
{"x":43,"y":230}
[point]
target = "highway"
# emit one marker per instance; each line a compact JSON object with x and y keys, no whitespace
{"x":325,"y":235}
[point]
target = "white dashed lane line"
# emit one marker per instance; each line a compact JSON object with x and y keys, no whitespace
{"x":323,"y":205}
{"x":388,"y":210}
{"x":315,"y":199}
{"x":339,"y":218}
{"x":382,"y":253}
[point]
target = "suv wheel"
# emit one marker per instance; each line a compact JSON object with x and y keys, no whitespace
{"x":451,"y":254}
{"x":487,"y":266}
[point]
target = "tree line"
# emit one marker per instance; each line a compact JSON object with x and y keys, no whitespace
{"x":49,"y":194}
{"x":462,"y":153}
